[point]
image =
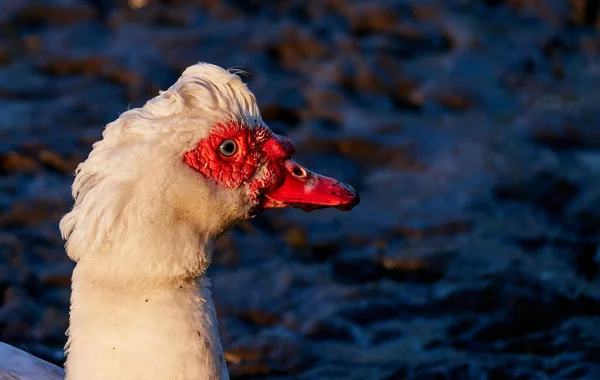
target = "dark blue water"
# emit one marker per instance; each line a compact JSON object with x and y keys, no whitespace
{"x":471,"y":129}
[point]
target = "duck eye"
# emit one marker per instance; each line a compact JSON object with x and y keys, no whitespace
{"x":228,"y":148}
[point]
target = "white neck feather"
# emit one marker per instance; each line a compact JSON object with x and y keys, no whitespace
{"x":138,"y":310}
{"x":140,"y":330}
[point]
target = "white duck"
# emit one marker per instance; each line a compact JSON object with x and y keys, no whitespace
{"x":151,"y":198}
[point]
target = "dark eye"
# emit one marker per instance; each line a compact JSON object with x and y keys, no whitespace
{"x":228,"y":148}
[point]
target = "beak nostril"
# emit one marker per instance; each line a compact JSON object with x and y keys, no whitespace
{"x":299,"y":172}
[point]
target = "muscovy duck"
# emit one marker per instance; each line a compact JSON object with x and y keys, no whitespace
{"x":156,"y":191}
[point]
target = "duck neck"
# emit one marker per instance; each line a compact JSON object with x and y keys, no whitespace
{"x":142,"y":329}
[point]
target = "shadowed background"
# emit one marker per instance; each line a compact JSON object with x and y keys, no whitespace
{"x":470,"y":128}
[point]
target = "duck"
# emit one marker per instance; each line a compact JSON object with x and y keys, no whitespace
{"x":161,"y":185}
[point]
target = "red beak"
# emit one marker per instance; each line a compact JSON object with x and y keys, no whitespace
{"x":309,"y":191}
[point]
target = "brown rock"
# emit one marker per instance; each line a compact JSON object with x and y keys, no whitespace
{"x":424,"y":11}
{"x":372,"y":18}
{"x":294,"y":47}
{"x":29,"y":212}
{"x":13,"y":162}
{"x":246,"y":361}
{"x":397,"y":156}
{"x":427,"y":263}
{"x":54,"y":161}
{"x":72,"y":66}
{"x":58,"y":15}
{"x":454,"y":100}
{"x":32,"y":43}
{"x":5,"y":54}
{"x":584,"y":13}
{"x":296,"y":237}
{"x":124,"y":77}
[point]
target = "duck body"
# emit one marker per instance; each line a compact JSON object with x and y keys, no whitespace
{"x":17,"y":364}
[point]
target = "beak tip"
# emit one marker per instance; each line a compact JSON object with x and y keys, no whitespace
{"x":354,"y":201}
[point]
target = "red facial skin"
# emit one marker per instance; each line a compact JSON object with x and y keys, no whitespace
{"x":283,"y":182}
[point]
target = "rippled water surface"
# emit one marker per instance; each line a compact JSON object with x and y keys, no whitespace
{"x":471,"y":129}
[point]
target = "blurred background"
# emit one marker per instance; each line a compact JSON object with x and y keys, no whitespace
{"x":470,"y":128}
